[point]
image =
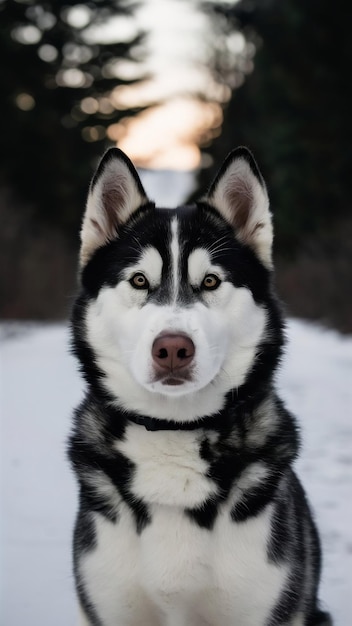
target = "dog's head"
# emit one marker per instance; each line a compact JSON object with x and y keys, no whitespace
{"x":176,"y":304}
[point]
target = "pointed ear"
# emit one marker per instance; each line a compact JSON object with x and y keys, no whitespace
{"x":115,"y":193}
{"x":239,"y":194}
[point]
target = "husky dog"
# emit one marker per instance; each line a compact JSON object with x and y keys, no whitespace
{"x":190,"y":513}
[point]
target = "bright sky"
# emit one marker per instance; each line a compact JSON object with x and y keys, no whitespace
{"x":166,"y":136}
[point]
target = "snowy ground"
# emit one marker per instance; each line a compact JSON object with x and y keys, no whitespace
{"x":39,"y":388}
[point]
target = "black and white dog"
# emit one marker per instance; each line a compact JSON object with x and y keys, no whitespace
{"x":190,"y":513}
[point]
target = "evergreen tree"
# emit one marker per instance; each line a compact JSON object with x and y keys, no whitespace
{"x":55,"y":105}
{"x":294,"y":109}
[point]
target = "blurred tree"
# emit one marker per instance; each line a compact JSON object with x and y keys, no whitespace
{"x":294,"y":109}
{"x":55,"y":106}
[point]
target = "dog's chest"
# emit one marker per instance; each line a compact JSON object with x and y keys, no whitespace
{"x":168,"y":467}
{"x":193,"y":575}
{"x":176,"y":569}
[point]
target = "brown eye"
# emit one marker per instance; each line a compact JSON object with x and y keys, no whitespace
{"x":139,"y":281}
{"x":211,"y":282}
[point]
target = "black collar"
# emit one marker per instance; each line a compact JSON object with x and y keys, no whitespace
{"x":152,"y":423}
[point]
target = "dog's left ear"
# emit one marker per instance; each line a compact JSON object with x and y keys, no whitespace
{"x":239,"y":194}
{"x":115,"y":193}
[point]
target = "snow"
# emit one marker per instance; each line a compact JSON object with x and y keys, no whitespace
{"x":39,"y":388}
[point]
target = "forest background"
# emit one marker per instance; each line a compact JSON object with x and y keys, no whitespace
{"x":275,"y":76}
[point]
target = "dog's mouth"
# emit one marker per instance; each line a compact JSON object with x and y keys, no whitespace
{"x":173,"y":381}
{"x":173,"y":378}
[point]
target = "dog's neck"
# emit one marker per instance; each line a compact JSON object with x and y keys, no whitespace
{"x":235,"y":407}
{"x":250,"y":428}
{"x":152,"y":423}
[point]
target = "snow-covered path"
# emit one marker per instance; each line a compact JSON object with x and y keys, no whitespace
{"x":39,"y":386}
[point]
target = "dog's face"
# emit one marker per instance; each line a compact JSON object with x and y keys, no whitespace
{"x":174,"y":299}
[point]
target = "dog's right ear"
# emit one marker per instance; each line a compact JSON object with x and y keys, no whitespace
{"x":115,"y":193}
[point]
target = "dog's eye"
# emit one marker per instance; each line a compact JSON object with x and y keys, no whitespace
{"x":210,"y":282}
{"x":139,"y":281}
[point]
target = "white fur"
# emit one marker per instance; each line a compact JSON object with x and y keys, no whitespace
{"x":177,"y":574}
{"x":151,"y":265}
{"x":175,"y":256}
{"x":199,"y":265}
{"x":112,"y":574}
{"x":169,"y":469}
{"x":100,"y":486}
{"x":298,"y":620}
{"x":250,"y":478}
{"x":257,"y":230}
{"x":266,"y":425}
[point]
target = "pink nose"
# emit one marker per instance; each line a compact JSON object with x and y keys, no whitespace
{"x":172,"y":352}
